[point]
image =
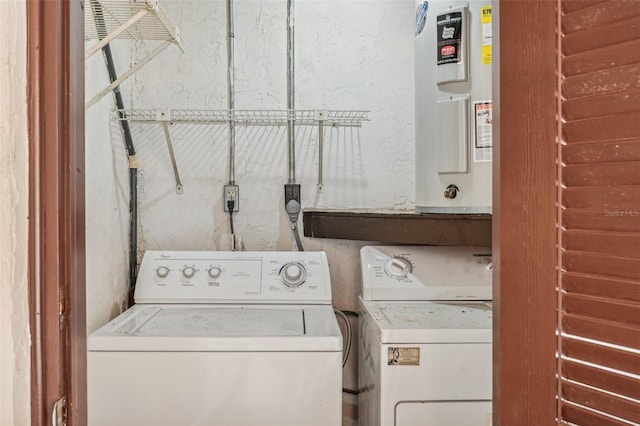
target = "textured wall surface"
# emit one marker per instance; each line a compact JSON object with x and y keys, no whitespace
{"x":14,"y":307}
{"x":349,"y":55}
{"x":107,"y":194}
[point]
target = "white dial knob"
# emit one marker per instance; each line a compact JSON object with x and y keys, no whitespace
{"x":214,"y":272}
{"x":189,"y":272}
{"x":398,"y":267}
{"x":162,"y":271}
{"x":293,"y":274}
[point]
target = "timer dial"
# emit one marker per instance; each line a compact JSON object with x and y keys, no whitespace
{"x":293,"y":274}
{"x":398,"y":267}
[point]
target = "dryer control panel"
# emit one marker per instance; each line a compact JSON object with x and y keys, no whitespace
{"x":426,"y":273}
{"x":233,"y":277}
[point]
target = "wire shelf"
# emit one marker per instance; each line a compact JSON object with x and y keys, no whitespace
{"x":128,"y":19}
{"x":135,"y":19}
{"x":247,"y":117}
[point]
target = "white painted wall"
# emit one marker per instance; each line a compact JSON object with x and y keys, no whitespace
{"x":14,"y":308}
{"x":349,"y":55}
{"x":107,"y":195}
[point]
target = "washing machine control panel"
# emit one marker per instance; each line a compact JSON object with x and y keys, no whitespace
{"x":426,"y":273}
{"x":233,"y":277}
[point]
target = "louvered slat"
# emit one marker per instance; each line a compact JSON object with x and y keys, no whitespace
{"x":599,"y":15}
{"x":617,"y":174}
{"x":602,"y":355}
{"x":573,"y":5}
{"x":599,"y":221}
{"x":608,"y":35}
{"x":601,"y":152}
{"x":608,"y":200}
{"x":603,"y":309}
{"x":603,"y":265}
{"x":606,"y":380}
{"x":603,"y":331}
{"x":602,"y":106}
{"x":603,"y":128}
{"x":601,"y":287}
{"x":582,"y":417}
{"x":602,"y":59}
{"x":599,"y":401}
{"x":603,"y":82}
{"x":606,"y":243}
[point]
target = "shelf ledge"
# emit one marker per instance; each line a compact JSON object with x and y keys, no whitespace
{"x":399,"y":227}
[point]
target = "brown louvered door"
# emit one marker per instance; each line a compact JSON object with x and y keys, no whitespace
{"x":599,"y":301}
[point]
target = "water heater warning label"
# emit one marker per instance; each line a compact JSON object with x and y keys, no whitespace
{"x":403,"y":356}
{"x":483,"y":118}
{"x":485,"y":20}
{"x":449,"y":27}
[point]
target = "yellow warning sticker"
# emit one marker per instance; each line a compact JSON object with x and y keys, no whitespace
{"x":485,"y":19}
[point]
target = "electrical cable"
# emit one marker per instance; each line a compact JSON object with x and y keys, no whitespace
{"x":347,"y":348}
{"x":101,"y":29}
{"x":296,"y":235}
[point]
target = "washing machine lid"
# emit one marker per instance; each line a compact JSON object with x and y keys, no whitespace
{"x":220,"y":328}
{"x":430,"y":322}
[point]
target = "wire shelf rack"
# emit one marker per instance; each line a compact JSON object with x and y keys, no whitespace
{"x":106,"y":20}
{"x":135,"y":19}
{"x":274,"y":117}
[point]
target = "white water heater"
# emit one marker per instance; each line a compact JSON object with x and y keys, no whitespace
{"x":453,"y":106}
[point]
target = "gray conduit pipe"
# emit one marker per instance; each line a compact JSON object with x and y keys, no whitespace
{"x":291,"y":98}
{"x":231,"y":89}
{"x":292,"y":191}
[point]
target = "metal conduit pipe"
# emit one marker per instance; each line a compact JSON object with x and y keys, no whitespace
{"x":231,"y":89}
{"x":131,"y":151}
{"x":291,"y":98}
{"x":292,"y":191}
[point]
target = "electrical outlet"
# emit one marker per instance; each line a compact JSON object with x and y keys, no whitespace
{"x":231,"y":193}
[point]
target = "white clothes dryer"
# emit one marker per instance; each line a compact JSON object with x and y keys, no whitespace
{"x":221,"y":338}
{"x":425,"y":347}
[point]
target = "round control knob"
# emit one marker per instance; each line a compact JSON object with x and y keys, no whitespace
{"x":162,"y":271}
{"x":214,"y":272}
{"x":293,"y":274}
{"x":399,"y":267}
{"x":189,"y":272}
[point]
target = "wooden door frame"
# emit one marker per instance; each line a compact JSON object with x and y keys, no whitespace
{"x":525,"y":213}
{"x":55,"y":91}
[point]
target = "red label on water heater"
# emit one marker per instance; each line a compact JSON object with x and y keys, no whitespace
{"x":448,"y":51}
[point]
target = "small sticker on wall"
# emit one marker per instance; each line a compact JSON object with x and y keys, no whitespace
{"x":485,"y":20}
{"x":421,"y":17}
{"x":403,"y":356}
{"x":483,"y":117}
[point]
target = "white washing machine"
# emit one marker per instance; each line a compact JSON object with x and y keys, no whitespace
{"x":425,"y":354}
{"x":221,"y":338}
